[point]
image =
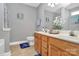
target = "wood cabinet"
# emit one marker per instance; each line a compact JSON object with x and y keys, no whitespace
{"x":55,"y":48}
{"x":41,"y":44}
{"x":38,"y":43}
{"x":51,"y":46}
{"x":44,"y":45}
{"x":65,"y":48}
{"x":53,"y":51}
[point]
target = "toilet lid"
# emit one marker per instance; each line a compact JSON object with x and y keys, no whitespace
{"x":30,"y":38}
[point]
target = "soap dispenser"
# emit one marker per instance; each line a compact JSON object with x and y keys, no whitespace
{"x":43,"y":29}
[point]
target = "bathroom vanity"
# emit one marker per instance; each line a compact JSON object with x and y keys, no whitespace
{"x":56,"y":45}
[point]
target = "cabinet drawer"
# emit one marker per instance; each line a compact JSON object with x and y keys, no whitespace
{"x":61,"y":43}
{"x":37,"y":35}
{"x":56,"y":41}
{"x":44,"y":51}
{"x":66,"y":43}
{"x":72,"y":44}
{"x":44,"y":38}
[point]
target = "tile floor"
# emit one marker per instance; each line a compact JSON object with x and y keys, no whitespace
{"x":17,"y":51}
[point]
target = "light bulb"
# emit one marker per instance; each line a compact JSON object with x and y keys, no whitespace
{"x":52,"y":5}
{"x":49,"y":4}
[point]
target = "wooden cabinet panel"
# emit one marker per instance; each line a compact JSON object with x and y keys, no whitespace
{"x":56,"y":42}
{"x":44,"y":44}
{"x":55,"y":51}
{"x":69,"y":47}
{"x":51,"y":46}
{"x":44,"y":38}
{"x":37,"y":42}
{"x":62,"y":43}
{"x":44,"y":51}
{"x":63,"y":53}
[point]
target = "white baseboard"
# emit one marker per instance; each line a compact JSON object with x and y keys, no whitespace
{"x":6,"y":54}
{"x":18,"y":42}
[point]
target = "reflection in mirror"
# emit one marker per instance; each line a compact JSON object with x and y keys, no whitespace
{"x":48,"y":19}
{"x":74,"y":19}
{"x":53,"y":20}
{"x":57,"y":21}
{"x":62,"y":18}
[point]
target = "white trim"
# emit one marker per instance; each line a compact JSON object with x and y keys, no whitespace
{"x":13,"y":43}
{"x":6,"y":29}
{"x":6,"y":54}
{"x":75,"y":13}
{"x":18,"y":42}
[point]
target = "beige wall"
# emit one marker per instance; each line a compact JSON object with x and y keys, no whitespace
{"x":21,"y":28}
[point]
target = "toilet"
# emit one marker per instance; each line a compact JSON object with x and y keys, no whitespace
{"x":30,"y":40}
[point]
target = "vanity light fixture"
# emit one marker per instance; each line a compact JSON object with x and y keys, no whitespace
{"x":52,"y":4}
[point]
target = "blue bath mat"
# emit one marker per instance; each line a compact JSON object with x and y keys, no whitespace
{"x":24,"y":45}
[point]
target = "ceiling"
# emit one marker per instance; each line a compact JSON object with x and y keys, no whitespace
{"x":33,"y":4}
{"x":70,"y":6}
{"x":55,"y":9}
{"x":58,"y":6}
{"x":73,"y":7}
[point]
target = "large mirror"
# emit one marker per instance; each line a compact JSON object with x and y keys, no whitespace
{"x":74,"y":18}
{"x":53,"y":19}
{"x":62,"y":18}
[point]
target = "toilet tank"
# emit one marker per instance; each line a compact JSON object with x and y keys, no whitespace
{"x":2,"y":46}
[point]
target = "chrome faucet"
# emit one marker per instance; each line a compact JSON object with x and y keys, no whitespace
{"x":72,"y":33}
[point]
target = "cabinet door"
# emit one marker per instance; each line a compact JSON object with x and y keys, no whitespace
{"x":38,"y":42}
{"x":37,"y":46}
{"x":44,"y":38}
{"x":44,"y":45}
{"x":44,"y":51}
{"x":56,"y":48}
{"x":53,"y":51}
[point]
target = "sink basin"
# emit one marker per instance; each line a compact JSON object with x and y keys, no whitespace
{"x":67,"y":36}
{"x":54,"y":32}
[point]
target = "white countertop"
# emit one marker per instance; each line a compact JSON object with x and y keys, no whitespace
{"x":62,"y":37}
